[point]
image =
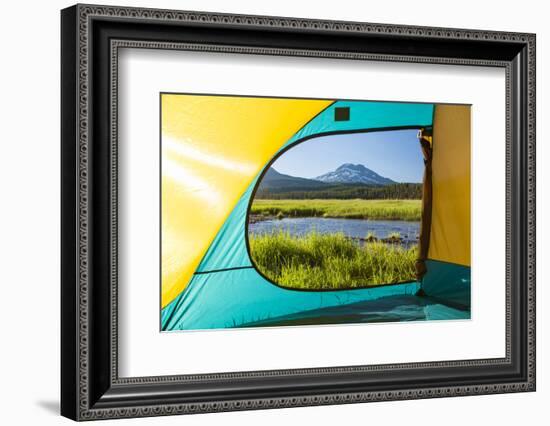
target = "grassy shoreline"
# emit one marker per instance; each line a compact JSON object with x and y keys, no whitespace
{"x":330,"y":261}
{"x":409,"y":210}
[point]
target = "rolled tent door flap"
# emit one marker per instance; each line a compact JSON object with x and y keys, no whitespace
{"x":425,"y":139}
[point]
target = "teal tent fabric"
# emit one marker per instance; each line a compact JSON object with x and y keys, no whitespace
{"x":227,"y":291}
{"x":448,"y":281}
{"x":367,"y":116}
{"x":398,"y":307}
{"x":240,"y":297}
{"x":228,"y":250}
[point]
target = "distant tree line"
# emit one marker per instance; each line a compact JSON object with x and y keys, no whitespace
{"x":397,"y":191}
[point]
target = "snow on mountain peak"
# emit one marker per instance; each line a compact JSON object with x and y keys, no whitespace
{"x":354,"y":173}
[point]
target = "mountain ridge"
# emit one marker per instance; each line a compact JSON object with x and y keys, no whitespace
{"x":273,"y":179}
{"x":275,"y":185}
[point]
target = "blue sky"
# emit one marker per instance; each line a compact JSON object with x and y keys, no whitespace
{"x":394,"y":154}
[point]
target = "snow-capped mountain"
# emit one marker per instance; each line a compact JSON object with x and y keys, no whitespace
{"x":354,"y":173}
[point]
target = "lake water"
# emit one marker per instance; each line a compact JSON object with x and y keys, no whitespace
{"x":354,"y":228}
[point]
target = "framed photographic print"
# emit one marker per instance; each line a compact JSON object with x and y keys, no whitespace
{"x":263,"y":212}
{"x":328,"y":241}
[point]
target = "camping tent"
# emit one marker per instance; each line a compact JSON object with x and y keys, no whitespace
{"x":215,"y":150}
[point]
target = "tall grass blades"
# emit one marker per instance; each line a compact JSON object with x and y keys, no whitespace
{"x":346,"y":209}
{"x":330,"y":261}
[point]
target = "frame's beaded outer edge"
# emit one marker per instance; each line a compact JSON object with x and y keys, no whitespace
{"x":86,"y":12}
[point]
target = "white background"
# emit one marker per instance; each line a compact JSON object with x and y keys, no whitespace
{"x":141,"y":344}
{"x":29,"y":213}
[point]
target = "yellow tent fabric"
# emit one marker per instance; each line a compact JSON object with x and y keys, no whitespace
{"x":450,"y":230}
{"x":212,"y":148}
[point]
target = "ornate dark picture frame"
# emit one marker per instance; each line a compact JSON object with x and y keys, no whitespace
{"x":90,"y":38}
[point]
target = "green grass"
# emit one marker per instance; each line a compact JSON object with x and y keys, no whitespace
{"x":345,"y":209}
{"x":330,"y":261}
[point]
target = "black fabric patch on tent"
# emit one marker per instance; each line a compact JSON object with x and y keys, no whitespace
{"x":341,"y":114}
